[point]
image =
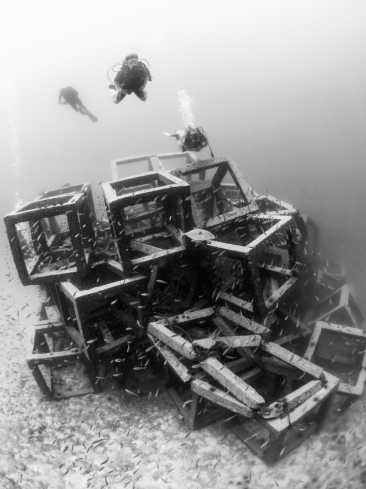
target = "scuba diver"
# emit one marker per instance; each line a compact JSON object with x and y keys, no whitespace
{"x":132,"y":77}
{"x":71,"y":97}
{"x":192,"y":139}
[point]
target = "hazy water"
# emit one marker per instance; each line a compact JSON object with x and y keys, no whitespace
{"x":279,"y":85}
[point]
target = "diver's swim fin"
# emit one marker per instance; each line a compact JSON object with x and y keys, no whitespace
{"x":92,"y":117}
{"x":113,"y":92}
{"x":176,"y":136}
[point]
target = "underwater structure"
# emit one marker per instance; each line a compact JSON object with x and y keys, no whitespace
{"x":193,"y":276}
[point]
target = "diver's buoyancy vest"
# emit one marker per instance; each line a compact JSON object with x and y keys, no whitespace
{"x":132,"y":78}
{"x":69,"y":93}
{"x":187,"y":141}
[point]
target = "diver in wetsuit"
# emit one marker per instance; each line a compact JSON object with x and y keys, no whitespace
{"x":132,"y":78}
{"x":70,"y":96}
{"x":192,"y":139}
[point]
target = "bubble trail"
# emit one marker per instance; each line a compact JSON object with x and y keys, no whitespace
{"x":185,"y":102}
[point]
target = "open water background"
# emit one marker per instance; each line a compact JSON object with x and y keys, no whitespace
{"x":279,"y":85}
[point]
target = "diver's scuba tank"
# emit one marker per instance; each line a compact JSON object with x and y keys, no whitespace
{"x":143,"y":61}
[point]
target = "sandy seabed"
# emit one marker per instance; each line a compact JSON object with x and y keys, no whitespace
{"x":117,"y":440}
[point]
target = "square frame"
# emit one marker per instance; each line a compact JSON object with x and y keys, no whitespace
{"x":75,"y":206}
{"x":320,"y":326}
{"x":44,"y":342}
{"x":81,"y":300}
{"x":343,"y":310}
{"x":172,"y":193}
{"x":223,"y":165}
{"x":154,"y":162}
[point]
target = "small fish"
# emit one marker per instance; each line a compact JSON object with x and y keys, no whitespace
{"x":265,"y":443}
{"x":229,"y":419}
{"x":130,"y":392}
{"x":196,"y":234}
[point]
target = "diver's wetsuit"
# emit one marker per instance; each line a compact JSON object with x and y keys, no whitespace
{"x":132,"y":79}
{"x":190,"y":145}
{"x":71,"y":97}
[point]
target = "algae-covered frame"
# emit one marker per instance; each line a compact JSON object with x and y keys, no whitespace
{"x":271,"y":205}
{"x":147,"y":162}
{"x":212,"y":196}
{"x":42,"y":354}
{"x":87,"y":294}
{"x":340,"y":350}
{"x":192,"y":406}
{"x":271,"y":228}
{"x":338,"y":308}
{"x":304,"y":408}
{"x":84,"y":188}
{"x":179,"y":358}
{"x":143,"y":206}
{"x":198,"y":405}
{"x":52,"y":236}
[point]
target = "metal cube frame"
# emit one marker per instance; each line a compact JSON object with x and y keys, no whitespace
{"x":251,"y":255}
{"x":172,"y":348}
{"x":306,"y":409}
{"x":71,"y":295}
{"x":42,"y":352}
{"x":283,"y":434}
{"x":75,"y":204}
{"x":153,"y":162}
{"x":339,"y":334}
{"x":208,"y":197}
{"x":339,"y":307}
{"x":153,"y":200}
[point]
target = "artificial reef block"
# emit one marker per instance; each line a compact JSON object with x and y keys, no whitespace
{"x":105,"y":293}
{"x":51,"y":349}
{"x":142,"y":206}
{"x":303,"y":411}
{"x":339,"y":307}
{"x":240,"y":389}
{"x":51,"y":237}
{"x":340,"y":350}
{"x":243,"y":247}
{"x":147,"y":162}
{"x":211,"y":197}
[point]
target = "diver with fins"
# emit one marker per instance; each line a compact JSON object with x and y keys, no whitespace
{"x":192,"y":139}
{"x":70,"y":96}
{"x":131,"y":78}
